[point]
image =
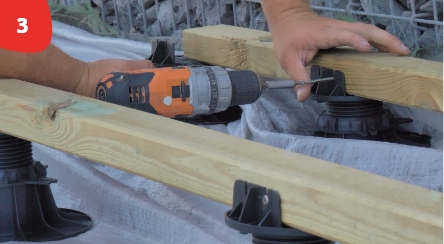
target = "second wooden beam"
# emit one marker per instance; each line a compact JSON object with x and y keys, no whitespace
{"x":381,"y":76}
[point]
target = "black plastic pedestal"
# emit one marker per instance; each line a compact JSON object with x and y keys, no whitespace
{"x":256,"y":210}
{"x":28,"y":211}
{"x":352,"y":117}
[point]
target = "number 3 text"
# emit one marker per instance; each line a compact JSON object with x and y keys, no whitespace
{"x":23,"y":22}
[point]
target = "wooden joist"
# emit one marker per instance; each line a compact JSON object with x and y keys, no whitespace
{"x":381,"y":76}
{"x":319,"y":197}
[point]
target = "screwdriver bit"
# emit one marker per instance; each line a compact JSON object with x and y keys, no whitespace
{"x":280,"y":84}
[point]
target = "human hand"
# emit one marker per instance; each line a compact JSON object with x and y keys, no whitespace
{"x":95,"y":71}
{"x":298,"y":36}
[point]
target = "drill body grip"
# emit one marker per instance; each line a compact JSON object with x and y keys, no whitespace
{"x":183,"y":91}
{"x":162,"y":91}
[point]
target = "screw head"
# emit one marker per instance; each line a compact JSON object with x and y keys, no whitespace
{"x":265,"y":200}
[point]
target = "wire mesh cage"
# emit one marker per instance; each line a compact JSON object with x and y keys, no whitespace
{"x":417,"y":23}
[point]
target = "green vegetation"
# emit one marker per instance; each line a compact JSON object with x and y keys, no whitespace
{"x":83,"y":16}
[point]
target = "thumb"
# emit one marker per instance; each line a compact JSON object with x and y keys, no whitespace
{"x":138,"y":64}
{"x":298,"y":72}
{"x":102,"y":67}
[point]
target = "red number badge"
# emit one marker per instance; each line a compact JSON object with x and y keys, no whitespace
{"x":25,"y":27}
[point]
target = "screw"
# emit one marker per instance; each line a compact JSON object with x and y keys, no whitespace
{"x":265,"y":200}
{"x":314,"y":81}
{"x":266,"y":39}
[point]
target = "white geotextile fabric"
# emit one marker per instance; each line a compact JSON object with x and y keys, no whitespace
{"x":131,"y":209}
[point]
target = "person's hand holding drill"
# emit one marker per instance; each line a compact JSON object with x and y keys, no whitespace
{"x":95,"y":71}
{"x":54,"y":68}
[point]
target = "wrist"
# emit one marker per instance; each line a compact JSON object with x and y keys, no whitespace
{"x":84,"y":85}
{"x":50,"y":67}
{"x":277,"y":10}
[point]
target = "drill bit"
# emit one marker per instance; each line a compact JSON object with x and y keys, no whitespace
{"x":291,"y":83}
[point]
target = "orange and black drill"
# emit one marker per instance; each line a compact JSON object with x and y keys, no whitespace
{"x":181,"y":91}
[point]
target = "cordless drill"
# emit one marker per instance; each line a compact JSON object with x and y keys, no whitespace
{"x":181,"y":91}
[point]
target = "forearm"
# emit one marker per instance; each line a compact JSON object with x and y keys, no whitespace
{"x":276,"y":10}
{"x":51,"y":67}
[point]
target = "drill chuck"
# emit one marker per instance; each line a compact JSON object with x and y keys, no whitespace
{"x":213,"y":89}
{"x":245,"y":87}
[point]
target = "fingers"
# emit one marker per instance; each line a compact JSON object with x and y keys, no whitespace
{"x":303,"y":92}
{"x":381,"y":39}
{"x":335,"y":37}
{"x":295,"y":68}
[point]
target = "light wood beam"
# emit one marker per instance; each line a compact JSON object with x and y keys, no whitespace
{"x":381,"y":76}
{"x":326,"y":199}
